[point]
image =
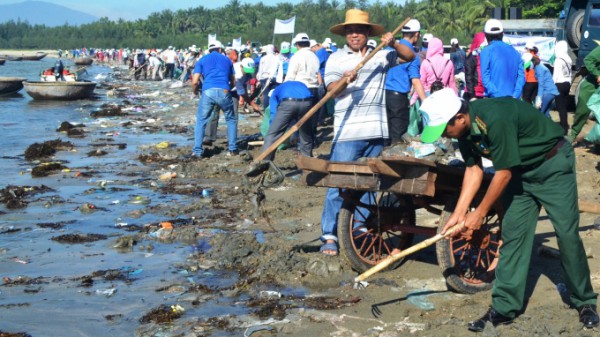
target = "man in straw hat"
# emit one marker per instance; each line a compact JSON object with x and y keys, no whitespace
{"x":360,"y":121}
{"x":535,"y":167}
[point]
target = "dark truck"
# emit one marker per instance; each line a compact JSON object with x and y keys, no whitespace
{"x":578,"y":24}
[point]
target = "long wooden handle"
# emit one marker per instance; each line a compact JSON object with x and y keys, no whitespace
{"x":331,"y":94}
{"x":423,"y":244}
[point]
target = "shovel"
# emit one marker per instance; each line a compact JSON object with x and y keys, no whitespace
{"x":359,"y":280}
{"x":255,"y":166}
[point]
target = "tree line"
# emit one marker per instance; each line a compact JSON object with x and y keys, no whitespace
{"x":182,"y":28}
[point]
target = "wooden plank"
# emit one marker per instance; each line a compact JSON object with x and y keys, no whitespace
{"x":320,"y":165}
{"x":312,"y":164}
{"x":589,"y":206}
{"x":381,"y":167}
{"x":409,"y":160}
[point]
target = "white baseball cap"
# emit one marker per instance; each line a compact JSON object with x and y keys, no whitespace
{"x":313,"y":43}
{"x":215,"y":44}
{"x":427,"y":37}
{"x":527,"y":57}
{"x":248,"y":65}
{"x":493,"y":26}
{"x":285,"y":47}
{"x":301,"y":37}
{"x":412,"y":25}
{"x":437,"y":110}
{"x":454,"y":41}
{"x":529,"y":45}
{"x":372,"y":43}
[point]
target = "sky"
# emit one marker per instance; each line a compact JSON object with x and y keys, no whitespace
{"x":139,"y":9}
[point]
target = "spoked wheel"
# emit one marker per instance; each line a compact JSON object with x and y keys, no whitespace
{"x":468,"y":263}
{"x":369,"y":230}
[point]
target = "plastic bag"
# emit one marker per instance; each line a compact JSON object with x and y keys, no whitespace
{"x":414,"y":119}
{"x":594,"y":105}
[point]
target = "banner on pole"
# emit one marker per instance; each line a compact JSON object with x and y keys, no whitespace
{"x":211,"y":38}
{"x":285,"y":26}
{"x":237,"y":43}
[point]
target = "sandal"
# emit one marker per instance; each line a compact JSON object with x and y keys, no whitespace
{"x":329,"y":246}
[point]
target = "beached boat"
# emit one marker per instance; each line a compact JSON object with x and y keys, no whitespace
{"x":11,"y":57}
{"x":10,"y":85}
{"x":59,"y":90}
{"x":69,"y":75}
{"x":84,"y":61}
{"x":35,"y":57}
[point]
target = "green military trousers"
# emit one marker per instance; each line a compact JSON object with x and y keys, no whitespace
{"x":582,"y":112}
{"x":553,"y":185}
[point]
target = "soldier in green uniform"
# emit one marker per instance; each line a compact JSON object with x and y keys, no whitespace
{"x":535,"y":167}
{"x":588,"y":86}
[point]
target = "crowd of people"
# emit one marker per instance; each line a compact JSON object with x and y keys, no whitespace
{"x":494,"y":99}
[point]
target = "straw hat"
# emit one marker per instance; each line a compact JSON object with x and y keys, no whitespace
{"x":357,"y":17}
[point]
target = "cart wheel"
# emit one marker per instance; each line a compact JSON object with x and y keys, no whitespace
{"x":369,"y":233}
{"x":468,"y":264}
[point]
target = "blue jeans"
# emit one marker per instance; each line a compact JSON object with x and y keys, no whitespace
{"x":547,"y":104}
{"x":344,"y":151}
{"x":208,"y":100}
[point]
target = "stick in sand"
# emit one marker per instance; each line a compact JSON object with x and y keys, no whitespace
{"x":423,"y":244}
{"x":331,"y":94}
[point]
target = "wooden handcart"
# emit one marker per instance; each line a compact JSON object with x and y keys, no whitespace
{"x":378,"y":216}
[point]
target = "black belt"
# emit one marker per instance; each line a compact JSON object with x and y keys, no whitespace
{"x":549,"y":155}
{"x":397,"y":93}
{"x":297,"y":99}
{"x":554,"y":150}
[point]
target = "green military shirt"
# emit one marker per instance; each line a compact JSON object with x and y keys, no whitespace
{"x":592,"y":65}
{"x":510,"y":132}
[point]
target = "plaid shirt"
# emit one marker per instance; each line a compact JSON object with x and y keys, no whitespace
{"x":360,"y":109}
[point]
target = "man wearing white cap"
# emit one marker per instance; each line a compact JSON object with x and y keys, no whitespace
{"x":535,"y":167}
{"x":218,"y":78}
{"x":360,"y":120}
{"x":170,"y":57}
{"x":398,"y":83}
{"x":501,"y":65}
{"x":458,"y":58}
{"x":304,"y":65}
{"x":424,"y":45}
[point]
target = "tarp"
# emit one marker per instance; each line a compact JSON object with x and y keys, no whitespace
{"x":285,"y":26}
{"x":544,"y":44}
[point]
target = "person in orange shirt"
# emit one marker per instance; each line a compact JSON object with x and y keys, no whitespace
{"x":531,"y":83}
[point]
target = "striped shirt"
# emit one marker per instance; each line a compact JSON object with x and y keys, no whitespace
{"x":360,"y":109}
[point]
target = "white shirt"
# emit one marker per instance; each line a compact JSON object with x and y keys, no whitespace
{"x":562,"y":69}
{"x":153,"y":61}
{"x":304,"y":67}
{"x":169,"y":56}
{"x":267,"y":67}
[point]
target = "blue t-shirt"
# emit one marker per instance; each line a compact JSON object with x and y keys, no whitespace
{"x":322,"y":55}
{"x":502,"y":72}
{"x":289,"y":89}
{"x":216,"y":70}
{"x":399,"y":77}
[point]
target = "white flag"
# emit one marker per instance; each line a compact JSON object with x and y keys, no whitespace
{"x":237,"y":43}
{"x":285,"y":26}
{"x":211,"y":38}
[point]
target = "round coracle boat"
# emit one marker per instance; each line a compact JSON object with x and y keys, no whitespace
{"x":59,"y":90}
{"x":10,"y":85}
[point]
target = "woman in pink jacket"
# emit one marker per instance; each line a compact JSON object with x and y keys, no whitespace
{"x":436,"y":67}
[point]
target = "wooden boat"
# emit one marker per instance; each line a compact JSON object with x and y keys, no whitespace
{"x":12,"y":58}
{"x":84,"y":61}
{"x":36,"y":57}
{"x":10,"y":85}
{"x":59,"y":90}
{"x":68,"y":75}
{"x":2,"y":61}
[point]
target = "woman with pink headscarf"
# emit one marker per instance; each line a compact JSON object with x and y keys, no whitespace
{"x":436,"y":67}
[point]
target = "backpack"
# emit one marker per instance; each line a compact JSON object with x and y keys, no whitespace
{"x":437,"y":84}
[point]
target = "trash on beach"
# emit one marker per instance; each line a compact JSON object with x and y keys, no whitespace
{"x":87,"y":208}
{"x":249,"y":331}
{"x":207,"y":192}
{"x":162,"y":145}
{"x":167,"y":176}
{"x":162,"y":233}
{"x":421,"y":150}
{"x":420,"y":299}
{"x":270,"y":294}
{"x":139,"y":200}
{"x":106,"y":292}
